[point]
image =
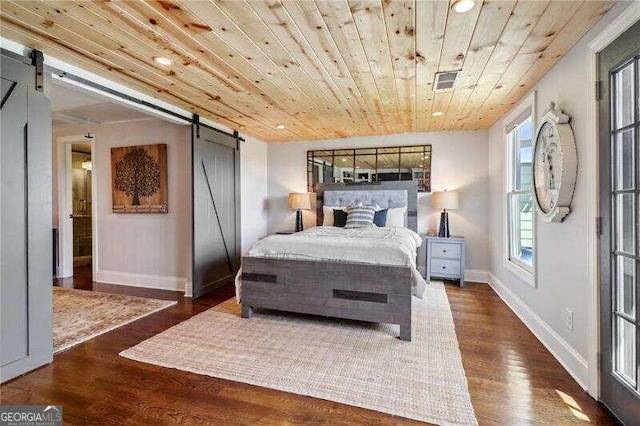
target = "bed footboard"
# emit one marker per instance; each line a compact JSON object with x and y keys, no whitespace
{"x":356,"y":291}
{"x":247,"y":311}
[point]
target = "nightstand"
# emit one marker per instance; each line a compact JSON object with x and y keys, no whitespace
{"x":445,"y":258}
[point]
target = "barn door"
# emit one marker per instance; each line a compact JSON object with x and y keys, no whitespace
{"x":25,"y":218}
{"x":216,"y":209}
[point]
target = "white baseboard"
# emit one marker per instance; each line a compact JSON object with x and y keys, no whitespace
{"x":188,"y":289}
{"x":142,"y":280}
{"x":571,"y":360}
{"x":476,"y":276}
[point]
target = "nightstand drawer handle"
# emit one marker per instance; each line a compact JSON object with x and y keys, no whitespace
{"x":444,"y":267}
{"x":444,"y":251}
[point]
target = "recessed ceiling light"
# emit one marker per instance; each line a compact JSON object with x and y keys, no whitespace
{"x":280,"y":126}
{"x":463,"y":6}
{"x":344,"y":159}
{"x":162,"y":60}
{"x":437,"y":113}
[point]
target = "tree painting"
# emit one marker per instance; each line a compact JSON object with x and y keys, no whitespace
{"x":137,"y":174}
{"x":139,"y":179}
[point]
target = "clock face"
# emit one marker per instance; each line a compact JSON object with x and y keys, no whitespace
{"x":548,"y":167}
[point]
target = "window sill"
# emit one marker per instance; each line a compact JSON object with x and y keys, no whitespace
{"x":520,"y":272}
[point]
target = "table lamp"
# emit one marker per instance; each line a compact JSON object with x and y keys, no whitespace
{"x":299,"y":202}
{"x":445,"y":200}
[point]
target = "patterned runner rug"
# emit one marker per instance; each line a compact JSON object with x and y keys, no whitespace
{"x":80,"y":315}
{"x":349,"y":362}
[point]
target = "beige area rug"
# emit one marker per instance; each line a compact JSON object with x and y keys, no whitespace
{"x":80,"y":315}
{"x":354,"y":363}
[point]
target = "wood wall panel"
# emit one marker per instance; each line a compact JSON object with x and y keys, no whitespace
{"x":370,"y":23}
{"x":490,"y":25}
{"x":323,"y":68}
{"x":553,"y":19}
{"x":522,"y":20}
{"x":590,"y":11}
{"x":431,"y":20}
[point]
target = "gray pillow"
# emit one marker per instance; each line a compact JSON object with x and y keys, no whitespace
{"x":360,"y":217}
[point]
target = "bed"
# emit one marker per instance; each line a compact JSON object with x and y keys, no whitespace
{"x":366,"y":274}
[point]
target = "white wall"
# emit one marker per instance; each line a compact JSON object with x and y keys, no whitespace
{"x":144,"y":249}
{"x":253,"y":158}
{"x":458,"y":163}
{"x":561,"y":249}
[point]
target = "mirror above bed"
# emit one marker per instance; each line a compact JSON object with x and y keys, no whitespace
{"x":370,"y":165}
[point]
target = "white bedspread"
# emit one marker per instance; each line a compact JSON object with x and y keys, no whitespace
{"x":396,"y":246}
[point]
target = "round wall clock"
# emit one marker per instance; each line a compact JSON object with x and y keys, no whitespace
{"x":555,"y":165}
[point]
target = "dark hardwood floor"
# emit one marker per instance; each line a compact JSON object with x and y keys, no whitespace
{"x":512,"y":378}
{"x":82,"y":278}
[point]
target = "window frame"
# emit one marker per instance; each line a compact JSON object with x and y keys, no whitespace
{"x":513,"y":121}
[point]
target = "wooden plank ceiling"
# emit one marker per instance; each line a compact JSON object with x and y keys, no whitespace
{"x":324,"y":69}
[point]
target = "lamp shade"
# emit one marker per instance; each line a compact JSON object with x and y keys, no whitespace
{"x":300,"y":201}
{"x":446,"y":200}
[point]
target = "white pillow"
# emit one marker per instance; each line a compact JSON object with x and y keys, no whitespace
{"x":395,"y":216}
{"x":328,"y":214}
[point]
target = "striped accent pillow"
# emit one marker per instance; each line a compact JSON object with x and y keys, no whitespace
{"x":360,"y":217}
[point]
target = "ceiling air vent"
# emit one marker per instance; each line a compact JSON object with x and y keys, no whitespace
{"x":445,"y":80}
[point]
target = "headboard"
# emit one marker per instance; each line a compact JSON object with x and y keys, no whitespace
{"x":384,"y":194}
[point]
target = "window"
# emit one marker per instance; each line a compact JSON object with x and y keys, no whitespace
{"x":625,"y":194}
{"x":363,"y":165}
{"x":520,"y":207}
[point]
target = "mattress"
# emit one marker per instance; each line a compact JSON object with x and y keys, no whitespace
{"x":394,"y":246}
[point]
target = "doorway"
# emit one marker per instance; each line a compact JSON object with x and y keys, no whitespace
{"x":76,"y":224}
{"x":79,"y":116}
{"x":81,"y":211}
{"x":619,"y":129}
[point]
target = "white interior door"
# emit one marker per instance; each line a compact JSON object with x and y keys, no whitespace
{"x":65,"y":210}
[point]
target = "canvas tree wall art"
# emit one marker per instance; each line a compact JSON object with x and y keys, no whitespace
{"x":139,"y":179}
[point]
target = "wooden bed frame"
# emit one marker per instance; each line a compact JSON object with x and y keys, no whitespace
{"x":374,"y":293}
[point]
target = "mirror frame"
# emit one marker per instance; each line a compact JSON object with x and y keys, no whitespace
{"x":424,"y":182}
